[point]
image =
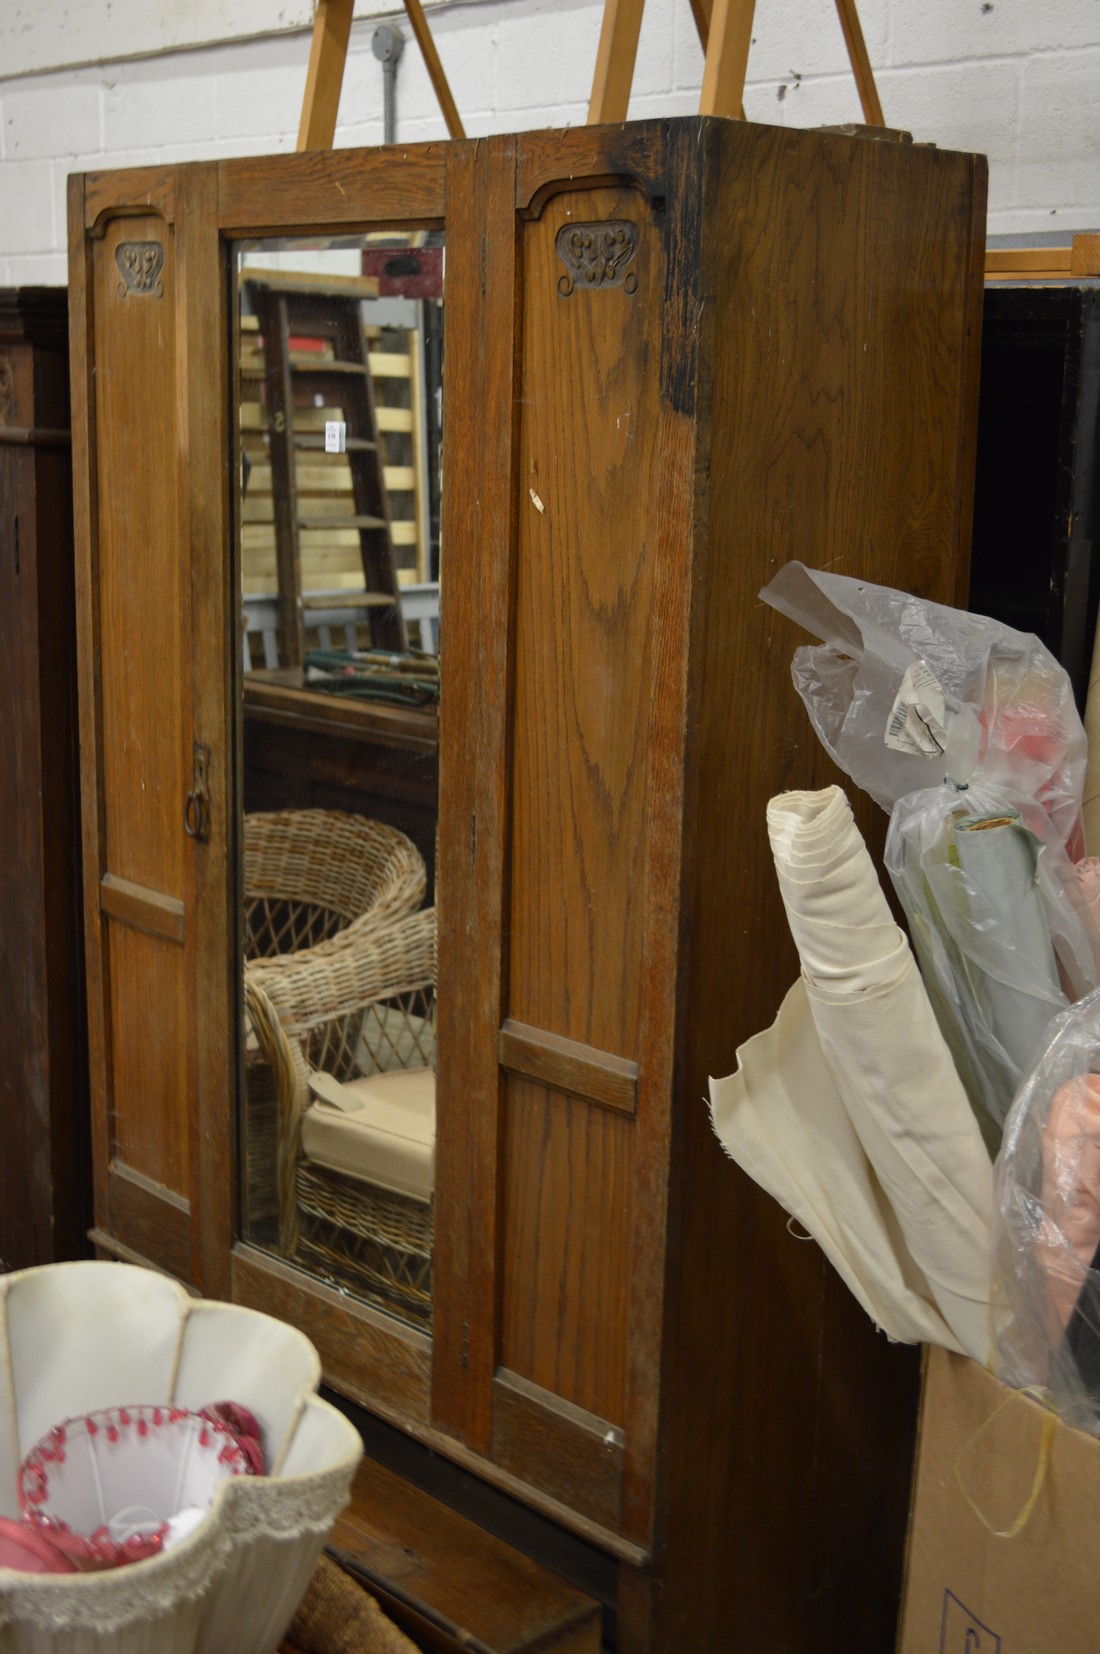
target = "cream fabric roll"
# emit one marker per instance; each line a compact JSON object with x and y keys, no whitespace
{"x":835,"y":907}
{"x":782,"y":1118}
{"x":868,"y":1094}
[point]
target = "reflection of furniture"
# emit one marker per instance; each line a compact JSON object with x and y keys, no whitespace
{"x":304,"y":750}
{"x":338,"y":628}
{"x":367,"y":1011}
{"x":334,"y":373}
{"x":624,"y":1339}
{"x":407,"y":424}
{"x":315,"y":883}
{"x":1037,"y":489}
{"x":318,"y":880}
{"x":1040,"y":258}
{"x":45,"y":1183}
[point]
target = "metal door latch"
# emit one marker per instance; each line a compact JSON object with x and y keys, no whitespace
{"x":196,"y":806}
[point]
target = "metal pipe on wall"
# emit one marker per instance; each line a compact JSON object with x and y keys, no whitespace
{"x":387,"y":44}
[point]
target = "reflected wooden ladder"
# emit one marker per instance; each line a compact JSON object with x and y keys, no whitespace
{"x":325,"y":310}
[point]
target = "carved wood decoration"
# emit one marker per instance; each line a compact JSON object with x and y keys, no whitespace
{"x":140,"y":264}
{"x":597,"y":255}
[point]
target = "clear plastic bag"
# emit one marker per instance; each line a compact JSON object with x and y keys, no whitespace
{"x":996,"y":924}
{"x":966,"y":731}
{"x":1047,"y":1281}
{"x":903,"y":692}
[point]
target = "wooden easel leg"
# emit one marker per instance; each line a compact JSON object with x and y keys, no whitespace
{"x":861,"y":63}
{"x":700,"y":10}
{"x":415,"y":13}
{"x":622,"y":22}
{"x":729,"y":38}
{"x":325,"y":75}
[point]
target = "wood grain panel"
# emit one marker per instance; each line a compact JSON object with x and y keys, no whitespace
{"x":567,"y":1182}
{"x":567,"y":1452}
{"x":481,"y":369}
{"x":144,"y":669}
{"x":44,"y":1118}
{"x":832,"y":412}
{"x":129,"y":192}
{"x":212,"y":889}
{"x":847,"y":413}
{"x":633,"y":150}
{"x":147,"y":1011}
{"x":332,"y":189}
{"x":86,"y":569}
{"x":151,"y":1221}
{"x":367,"y":1355}
{"x":680,"y":506}
{"x":583,"y":631}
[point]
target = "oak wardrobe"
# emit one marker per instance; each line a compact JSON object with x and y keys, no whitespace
{"x":674,"y":355}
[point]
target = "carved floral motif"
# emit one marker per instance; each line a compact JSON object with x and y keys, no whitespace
{"x":140,"y":264}
{"x":596,"y":255}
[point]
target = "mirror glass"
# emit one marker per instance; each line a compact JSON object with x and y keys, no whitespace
{"x":339,"y":347}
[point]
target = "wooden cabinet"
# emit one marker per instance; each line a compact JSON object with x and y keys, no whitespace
{"x":44,"y":1148}
{"x":676,"y":354}
{"x":1037,"y":498}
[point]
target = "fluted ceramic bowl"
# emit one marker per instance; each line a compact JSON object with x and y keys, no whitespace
{"x":78,"y":1337}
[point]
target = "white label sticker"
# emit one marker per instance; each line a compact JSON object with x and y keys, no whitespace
{"x":335,"y":436}
{"x":917,"y":723}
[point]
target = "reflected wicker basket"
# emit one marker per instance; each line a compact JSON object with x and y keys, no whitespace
{"x":317,"y":879}
{"x":376,"y":1243}
{"x":315,"y":882}
{"x":367,"y":1010}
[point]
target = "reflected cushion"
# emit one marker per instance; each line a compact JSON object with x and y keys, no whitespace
{"x":379,"y":1129}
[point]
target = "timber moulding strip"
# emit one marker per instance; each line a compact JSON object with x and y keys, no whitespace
{"x":151,"y":1219}
{"x":113,"y":1248}
{"x":345,"y":1331}
{"x":141,"y":908}
{"x":568,"y":1065}
{"x":568,"y":1451}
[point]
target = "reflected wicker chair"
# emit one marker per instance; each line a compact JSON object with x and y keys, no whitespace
{"x":318,"y":879}
{"x":368,"y":1009}
{"x":315,"y":882}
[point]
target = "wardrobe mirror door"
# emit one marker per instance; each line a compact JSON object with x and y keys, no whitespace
{"x":338,"y":468}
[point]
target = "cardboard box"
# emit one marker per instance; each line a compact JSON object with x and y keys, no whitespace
{"x":968,"y":1590}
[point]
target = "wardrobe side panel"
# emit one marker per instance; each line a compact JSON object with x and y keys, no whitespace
{"x":844,"y":280}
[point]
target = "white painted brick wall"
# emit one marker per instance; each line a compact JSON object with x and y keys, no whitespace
{"x":1017,"y":81}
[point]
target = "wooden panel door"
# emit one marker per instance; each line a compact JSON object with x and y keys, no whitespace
{"x":556,"y":652}
{"x":146,"y":349}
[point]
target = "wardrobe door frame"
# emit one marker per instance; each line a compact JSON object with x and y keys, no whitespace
{"x":168,"y":1221}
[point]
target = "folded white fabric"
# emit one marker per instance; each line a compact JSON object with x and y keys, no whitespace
{"x":849,"y":1109}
